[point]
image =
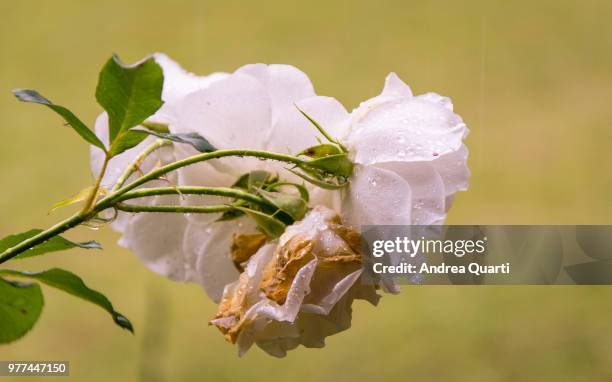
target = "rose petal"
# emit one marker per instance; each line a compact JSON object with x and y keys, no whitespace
{"x":377,"y":196}
{"x":210,"y":244}
{"x":427,"y":191}
{"x":285,"y":84}
{"x":406,"y":129}
{"x":293,"y":133}
{"x":437,"y":98}
{"x":178,"y":82}
{"x":454,"y":170}
{"x":232,"y":113}
{"x":157,"y":239}
{"x":395,"y":87}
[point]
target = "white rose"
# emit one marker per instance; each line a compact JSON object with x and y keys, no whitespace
{"x":409,"y":155}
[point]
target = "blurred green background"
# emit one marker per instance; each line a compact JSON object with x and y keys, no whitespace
{"x":531,"y":78}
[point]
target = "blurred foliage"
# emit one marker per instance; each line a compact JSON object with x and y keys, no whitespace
{"x":531,"y":79}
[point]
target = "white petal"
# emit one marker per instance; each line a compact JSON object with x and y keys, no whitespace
{"x":427,"y":191}
{"x":395,"y":87}
{"x":157,"y":239}
{"x":178,"y":82}
{"x":377,"y":196}
{"x":454,"y":171}
{"x":210,"y":244}
{"x":406,"y":129}
{"x":331,"y":288}
{"x":285,"y":84}
{"x":437,"y":98}
{"x":293,"y":133}
{"x":232,"y":113}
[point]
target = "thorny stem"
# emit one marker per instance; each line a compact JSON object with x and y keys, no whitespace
{"x":174,"y":209}
{"x":207,"y":156}
{"x":217,"y":191}
{"x":133,"y":167}
{"x":92,"y":208}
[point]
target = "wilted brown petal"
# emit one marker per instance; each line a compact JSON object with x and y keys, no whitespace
{"x":244,"y":246}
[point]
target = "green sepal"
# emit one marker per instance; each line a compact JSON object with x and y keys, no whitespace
{"x":78,"y":197}
{"x":316,"y":124}
{"x":318,"y":182}
{"x":322,"y":150}
{"x":338,"y":165}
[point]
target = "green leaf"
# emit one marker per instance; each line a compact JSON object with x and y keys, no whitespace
{"x":292,"y":205}
{"x":197,"y":141}
{"x":54,"y":244}
{"x":128,"y":140}
{"x":301,"y":189}
{"x":72,"y":284}
{"x":257,"y":179}
{"x":251,"y":179}
{"x":20,"y":307}
{"x":29,"y":95}
{"x":272,"y":227}
{"x":129,"y":94}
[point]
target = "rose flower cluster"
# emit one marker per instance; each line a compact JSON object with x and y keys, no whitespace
{"x":294,"y":287}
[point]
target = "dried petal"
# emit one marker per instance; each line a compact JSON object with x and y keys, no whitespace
{"x":245,"y":245}
{"x":230,"y":316}
{"x":287,"y":261}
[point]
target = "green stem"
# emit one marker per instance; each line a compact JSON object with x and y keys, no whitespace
{"x":200,"y":158}
{"x":47,"y":234}
{"x":217,"y":191}
{"x":138,"y":161}
{"x":174,"y":209}
{"x":94,"y":192}
{"x":92,"y":209}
